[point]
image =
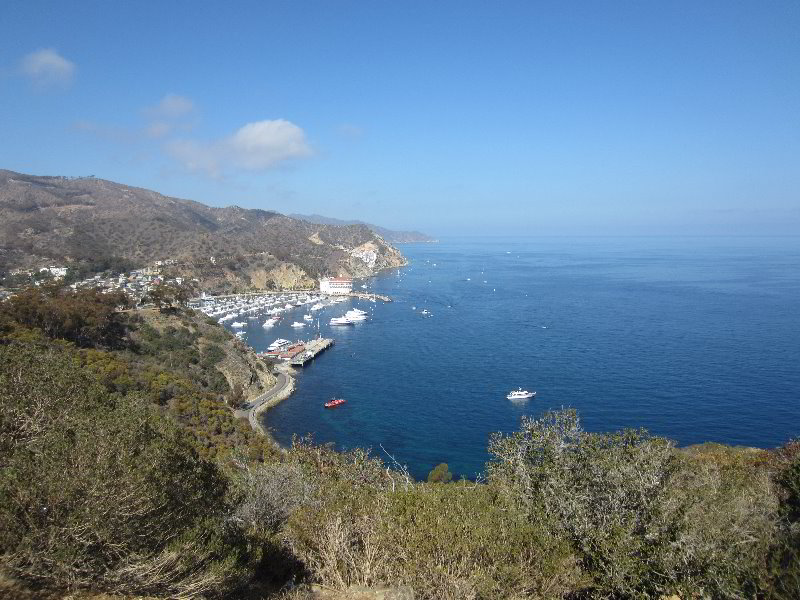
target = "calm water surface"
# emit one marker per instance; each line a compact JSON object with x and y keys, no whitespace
{"x":694,"y":339}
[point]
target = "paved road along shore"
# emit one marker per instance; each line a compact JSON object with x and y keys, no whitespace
{"x":282,"y":389}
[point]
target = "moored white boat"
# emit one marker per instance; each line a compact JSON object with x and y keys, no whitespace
{"x":341,"y":321}
{"x":279,"y":343}
{"x":356,"y":315}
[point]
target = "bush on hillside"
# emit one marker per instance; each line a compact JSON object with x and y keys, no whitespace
{"x":88,"y":318}
{"x":366,"y":524}
{"x":446,"y":542}
{"x":440,"y":474}
{"x":785,"y":555}
{"x":99,"y":490}
{"x":643,"y":519}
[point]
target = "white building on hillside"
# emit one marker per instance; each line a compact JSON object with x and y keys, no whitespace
{"x":336,"y":285}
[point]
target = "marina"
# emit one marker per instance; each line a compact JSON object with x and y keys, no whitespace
{"x":249,"y":306}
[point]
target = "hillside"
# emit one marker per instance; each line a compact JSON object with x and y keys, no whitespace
{"x":74,"y":221}
{"x":390,"y":235}
{"x":125,"y":474}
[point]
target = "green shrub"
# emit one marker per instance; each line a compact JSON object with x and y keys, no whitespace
{"x":89,"y":318}
{"x":466,"y":541}
{"x":440,"y":474}
{"x":446,"y":542}
{"x":645,"y":520}
{"x":368,"y":525}
{"x":101,"y":491}
{"x":784,"y":560}
{"x":212,"y":356}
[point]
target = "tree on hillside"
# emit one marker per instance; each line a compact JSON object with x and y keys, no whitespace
{"x":166,"y":295}
{"x":89,"y":317}
{"x":440,"y":474}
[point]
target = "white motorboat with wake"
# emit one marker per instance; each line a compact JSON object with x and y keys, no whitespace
{"x":520,"y":394}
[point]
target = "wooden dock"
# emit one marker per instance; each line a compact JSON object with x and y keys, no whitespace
{"x":313,"y":349}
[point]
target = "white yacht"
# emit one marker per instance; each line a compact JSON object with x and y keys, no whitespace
{"x":307,"y":317}
{"x":270,"y":322}
{"x":341,"y":321}
{"x":277,"y":344}
{"x":356,"y":315}
{"x":238,"y":324}
{"x":298,"y":324}
{"x":520,"y":394}
{"x":317,"y":306}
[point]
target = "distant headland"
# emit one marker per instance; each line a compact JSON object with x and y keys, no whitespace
{"x":390,"y":235}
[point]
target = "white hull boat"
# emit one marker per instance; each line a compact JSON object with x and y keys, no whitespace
{"x":520,"y":394}
{"x":341,"y":321}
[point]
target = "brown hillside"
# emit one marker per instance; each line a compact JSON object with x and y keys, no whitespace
{"x":67,"y":221}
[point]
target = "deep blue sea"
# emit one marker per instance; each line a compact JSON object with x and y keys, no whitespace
{"x":695,"y":339}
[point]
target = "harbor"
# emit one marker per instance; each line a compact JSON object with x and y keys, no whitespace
{"x":272,"y":320}
{"x":251,"y":305}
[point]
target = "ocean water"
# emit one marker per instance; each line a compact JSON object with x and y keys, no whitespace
{"x":693,"y":339}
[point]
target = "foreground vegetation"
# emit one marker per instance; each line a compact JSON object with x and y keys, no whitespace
{"x":122,"y":470}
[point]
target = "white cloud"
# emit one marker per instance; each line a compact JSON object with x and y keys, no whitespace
{"x":171,"y":106}
{"x":263,"y":144}
{"x":47,"y":68}
{"x":254,"y":147}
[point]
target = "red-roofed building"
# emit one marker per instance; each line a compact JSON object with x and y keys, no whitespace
{"x":336,"y":285}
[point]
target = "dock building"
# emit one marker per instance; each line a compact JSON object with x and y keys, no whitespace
{"x":336,"y":285}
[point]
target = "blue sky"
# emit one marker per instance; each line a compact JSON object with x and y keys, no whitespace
{"x":450,"y":117}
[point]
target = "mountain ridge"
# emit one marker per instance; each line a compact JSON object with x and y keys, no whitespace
{"x":76,"y":221}
{"x":390,"y":235}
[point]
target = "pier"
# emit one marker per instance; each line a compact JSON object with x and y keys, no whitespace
{"x":370,"y":297}
{"x":312,"y":350}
